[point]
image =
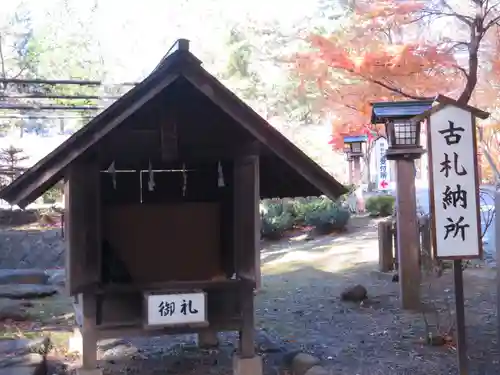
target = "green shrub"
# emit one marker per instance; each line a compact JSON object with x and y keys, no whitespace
{"x":52,"y":195}
{"x":326,"y":216}
{"x":276,"y":218}
{"x":280,"y":215}
{"x":381,"y":205}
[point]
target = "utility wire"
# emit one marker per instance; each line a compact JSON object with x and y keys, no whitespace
{"x":63,"y":82}
{"x":35,"y":117}
{"x":37,"y":107}
{"x":55,"y":96}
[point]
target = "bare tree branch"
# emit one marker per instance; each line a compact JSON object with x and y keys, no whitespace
{"x":490,"y":9}
{"x":2,"y":61}
{"x":465,"y":19}
{"x":494,"y":21}
{"x":463,"y":70}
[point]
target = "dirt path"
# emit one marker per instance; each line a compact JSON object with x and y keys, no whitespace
{"x":298,"y":307}
{"x":300,"y":303}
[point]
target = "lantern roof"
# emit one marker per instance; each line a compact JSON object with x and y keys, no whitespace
{"x":355,"y":138}
{"x":382,"y":111}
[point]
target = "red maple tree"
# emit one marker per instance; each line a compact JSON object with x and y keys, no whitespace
{"x":385,"y":53}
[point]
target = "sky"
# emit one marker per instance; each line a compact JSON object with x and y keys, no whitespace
{"x":134,"y":35}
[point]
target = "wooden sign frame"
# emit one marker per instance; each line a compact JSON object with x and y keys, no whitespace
{"x":473,"y":112}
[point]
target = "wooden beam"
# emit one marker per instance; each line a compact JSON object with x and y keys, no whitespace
{"x":134,"y":149}
{"x":246,"y":214}
{"x":169,"y":138}
{"x":83,"y":226}
{"x":246,"y":221}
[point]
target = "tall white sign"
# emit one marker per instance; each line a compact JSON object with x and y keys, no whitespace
{"x":454,"y":189}
{"x":381,"y":165}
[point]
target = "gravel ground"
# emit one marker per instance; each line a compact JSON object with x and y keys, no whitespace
{"x":298,"y":307}
{"x":300,"y":303}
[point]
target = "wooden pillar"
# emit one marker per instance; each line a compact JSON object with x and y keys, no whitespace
{"x":356,"y":170}
{"x":246,"y":243}
{"x":426,"y":244}
{"x":497,"y":250}
{"x":385,"y":245}
{"x":82,"y":221}
{"x":350,"y":171}
{"x":207,"y":338}
{"x":407,"y":235}
{"x":395,"y":254}
{"x":89,"y":334}
{"x":83,"y":253}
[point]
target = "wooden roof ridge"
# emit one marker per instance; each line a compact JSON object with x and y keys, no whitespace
{"x":442,"y":101}
{"x":180,"y":62}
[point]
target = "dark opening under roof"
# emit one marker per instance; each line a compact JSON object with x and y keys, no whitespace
{"x":179,"y":63}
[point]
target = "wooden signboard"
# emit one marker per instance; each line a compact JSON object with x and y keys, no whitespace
{"x":173,"y":309}
{"x":454,"y":183}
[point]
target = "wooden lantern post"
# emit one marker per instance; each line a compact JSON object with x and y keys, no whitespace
{"x":404,"y":147}
{"x":353,"y":148}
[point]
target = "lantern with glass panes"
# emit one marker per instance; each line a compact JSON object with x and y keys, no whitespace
{"x":353,"y":146}
{"x":347,"y":152}
{"x":403,"y":134}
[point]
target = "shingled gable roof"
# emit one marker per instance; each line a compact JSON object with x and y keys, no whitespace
{"x":180,"y":63}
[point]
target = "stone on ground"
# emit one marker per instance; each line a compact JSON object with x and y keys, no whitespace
{"x":247,"y":366}
{"x":17,"y":370}
{"x":27,"y":291}
{"x":317,"y":370}
{"x":302,"y":362}
{"x":356,"y":293}
{"x":23,"y":276}
{"x":20,"y":346}
{"x":15,"y":312}
{"x":56,"y":277}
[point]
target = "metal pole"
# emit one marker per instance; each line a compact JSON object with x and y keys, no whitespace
{"x":497,"y":245}
{"x":460,"y":316}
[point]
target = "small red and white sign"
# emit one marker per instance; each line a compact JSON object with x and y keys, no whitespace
{"x":383,"y":176}
{"x":383,"y":184}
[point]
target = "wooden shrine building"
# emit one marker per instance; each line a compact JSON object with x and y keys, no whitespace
{"x":162,"y":194}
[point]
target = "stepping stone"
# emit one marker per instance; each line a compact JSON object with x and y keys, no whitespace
{"x":15,"y":312}
{"x":23,"y":276}
{"x":17,"y":370}
{"x":27,"y":291}
{"x":16,"y":346}
{"x":56,"y":277}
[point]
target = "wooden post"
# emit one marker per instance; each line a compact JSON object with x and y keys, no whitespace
{"x":83,"y":255}
{"x":82,"y":221}
{"x":408,"y":241}
{"x":246,"y":242}
{"x":426,"y":243}
{"x":89,"y":337}
{"x":394,"y":229}
{"x":357,"y":169}
{"x":350,"y":171}
{"x":497,"y":245}
{"x":385,"y":246}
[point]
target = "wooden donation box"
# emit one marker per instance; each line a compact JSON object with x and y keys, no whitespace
{"x":162,"y":193}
